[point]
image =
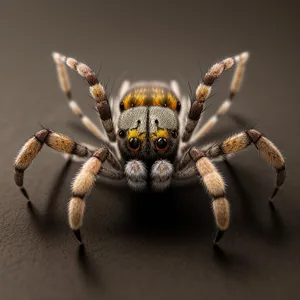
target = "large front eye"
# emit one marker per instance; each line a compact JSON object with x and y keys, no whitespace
{"x":134,"y":144}
{"x":161,"y":144}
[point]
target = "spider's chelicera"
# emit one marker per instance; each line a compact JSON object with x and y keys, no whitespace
{"x":156,"y":138}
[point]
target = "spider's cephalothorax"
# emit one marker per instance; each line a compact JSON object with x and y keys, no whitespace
{"x":149,"y":135}
{"x":148,"y":125}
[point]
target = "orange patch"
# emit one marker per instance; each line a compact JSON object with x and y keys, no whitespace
{"x":150,"y":96}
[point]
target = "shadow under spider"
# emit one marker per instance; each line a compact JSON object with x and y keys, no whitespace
{"x":47,"y":222}
{"x":178,"y":212}
{"x":233,"y":264}
{"x":88,"y":267}
{"x":277,"y":230}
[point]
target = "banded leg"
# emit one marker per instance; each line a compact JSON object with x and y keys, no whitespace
{"x":215,"y":186}
{"x":265,"y":147}
{"x":185,"y":173}
{"x":33,"y":146}
{"x":136,"y":174}
{"x":202,"y":93}
{"x":65,"y":85}
{"x":73,"y":158}
{"x":223,"y":109}
{"x":108,"y":172}
{"x":81,"y":186}
{"x":161,"y":174}
{"x":96,"y":90}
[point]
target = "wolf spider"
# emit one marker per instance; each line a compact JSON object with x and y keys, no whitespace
{"x":154,"y":143}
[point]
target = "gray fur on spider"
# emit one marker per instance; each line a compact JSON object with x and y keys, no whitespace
{"x":155,"y":140}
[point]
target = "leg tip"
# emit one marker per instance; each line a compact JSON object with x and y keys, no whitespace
{"x":218,"y":236}
{"x":78,"y":236}
{"x":272,"y":204}
{"x":56,"y":57}
{"x":245,"y":55}
{"x":24,"y":192}
{"x":274,"y":194}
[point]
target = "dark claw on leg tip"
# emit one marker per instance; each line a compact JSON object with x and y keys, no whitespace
{"x":271,"y":199}
{"x":274,"y":193}
{"x":272,"y":204}
{"x":25,"y":194}
{"x":78,"y":235}
{"x":219,"y":235}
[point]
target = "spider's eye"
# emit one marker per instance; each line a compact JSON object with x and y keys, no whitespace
{"x":174,"y":133}
{"x":134,"y":144}
{"x":121,"y":105}
{"x":178,"y":106}
{"x":121,"y":133}
{"x":161,"y":144}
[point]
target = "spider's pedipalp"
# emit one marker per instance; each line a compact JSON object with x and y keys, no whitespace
{"x":33,"y":146}
{"x":161,"y":174}
{"x":265,"y":147}
{"x":136,"y":174}
{"x":204,"y":89}
{"x":96,"y":90}
{"x":65,"y":85}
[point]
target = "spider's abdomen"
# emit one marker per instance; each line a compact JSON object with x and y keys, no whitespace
{"x":150,"y":94}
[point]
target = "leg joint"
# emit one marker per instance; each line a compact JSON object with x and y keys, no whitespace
{"x":42,"y":135}
{"x":254,"y":135}
{"x":195,"y":154}
{"x":101,"y":154}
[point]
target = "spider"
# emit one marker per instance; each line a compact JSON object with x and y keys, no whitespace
{"x":155,"y":142}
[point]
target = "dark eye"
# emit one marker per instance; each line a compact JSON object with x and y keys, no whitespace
{"x":122,"y":106}
{"x":178,"y":106}
{"x":121,"y":133}
{"x":134,"y":144}
{"x":174,"y":133}
{"x":161,"y":144}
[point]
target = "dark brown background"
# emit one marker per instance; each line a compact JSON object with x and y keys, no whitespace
{"x":149,"y":246}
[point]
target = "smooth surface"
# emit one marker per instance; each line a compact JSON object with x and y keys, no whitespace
{"x":149,"y":246}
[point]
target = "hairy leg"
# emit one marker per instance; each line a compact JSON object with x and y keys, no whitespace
{"x":81,"y":187}
{"x":33,"y":146}
{"x":202,"y":93}
{"x":185,"y":173}
{"x":215,"y":186}
{"x":65,"y":85}
{"x":223,"y":109}
{"x":264,"y":146}
{"x":96,"y":90}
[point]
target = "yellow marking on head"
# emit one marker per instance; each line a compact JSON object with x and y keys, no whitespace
{"x":133,"y":133}
{"x":160,"y":133}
